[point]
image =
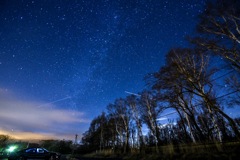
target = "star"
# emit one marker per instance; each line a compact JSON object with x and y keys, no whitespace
{"x":92,"y":51}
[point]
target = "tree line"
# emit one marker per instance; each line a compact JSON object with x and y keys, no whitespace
{"x":190,"y":83}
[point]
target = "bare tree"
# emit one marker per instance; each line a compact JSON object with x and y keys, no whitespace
{"x":150,"y":113}
{"x":170,"y":85}
{"x":193,"y":65}
{"x":220,"y":30}
{"x":132,"y":102}
{"x":121,"y":111}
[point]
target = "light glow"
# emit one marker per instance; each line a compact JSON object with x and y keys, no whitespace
{"x":11,"y":148}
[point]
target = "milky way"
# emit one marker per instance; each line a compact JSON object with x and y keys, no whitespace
{"x":87,"y":53}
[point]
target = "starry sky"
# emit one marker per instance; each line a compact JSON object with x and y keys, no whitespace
{"x":63,"y":61}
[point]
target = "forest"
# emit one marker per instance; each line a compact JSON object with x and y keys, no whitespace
{"x":190,"y":84}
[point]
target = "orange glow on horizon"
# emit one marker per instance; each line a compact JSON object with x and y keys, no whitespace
{"x":30,"y":135}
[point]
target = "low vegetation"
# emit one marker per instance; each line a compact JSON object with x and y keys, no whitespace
{"x":218,"y":151}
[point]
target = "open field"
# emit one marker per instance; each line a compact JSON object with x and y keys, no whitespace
{"x":213,"y":151}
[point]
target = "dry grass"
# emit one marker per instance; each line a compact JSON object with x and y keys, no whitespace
{"x":213,"y":151}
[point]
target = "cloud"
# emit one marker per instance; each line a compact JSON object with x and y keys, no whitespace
{"x":26,"y":118}
{"x":162,"y":119}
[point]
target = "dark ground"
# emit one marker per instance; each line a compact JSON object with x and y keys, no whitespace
{"x":85,"y":158}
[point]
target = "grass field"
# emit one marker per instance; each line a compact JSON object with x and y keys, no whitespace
{"x":212,"y":151}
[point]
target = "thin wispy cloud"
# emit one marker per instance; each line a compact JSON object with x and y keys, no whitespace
{"x":162,"y":119}
{"x":25,"y":117}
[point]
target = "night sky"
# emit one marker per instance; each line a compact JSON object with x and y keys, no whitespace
{"x":63,"y":61}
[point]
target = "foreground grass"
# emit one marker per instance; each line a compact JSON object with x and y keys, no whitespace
{"x":213,"y":151}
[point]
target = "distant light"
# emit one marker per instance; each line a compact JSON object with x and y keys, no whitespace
{"x":11,"y":148}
